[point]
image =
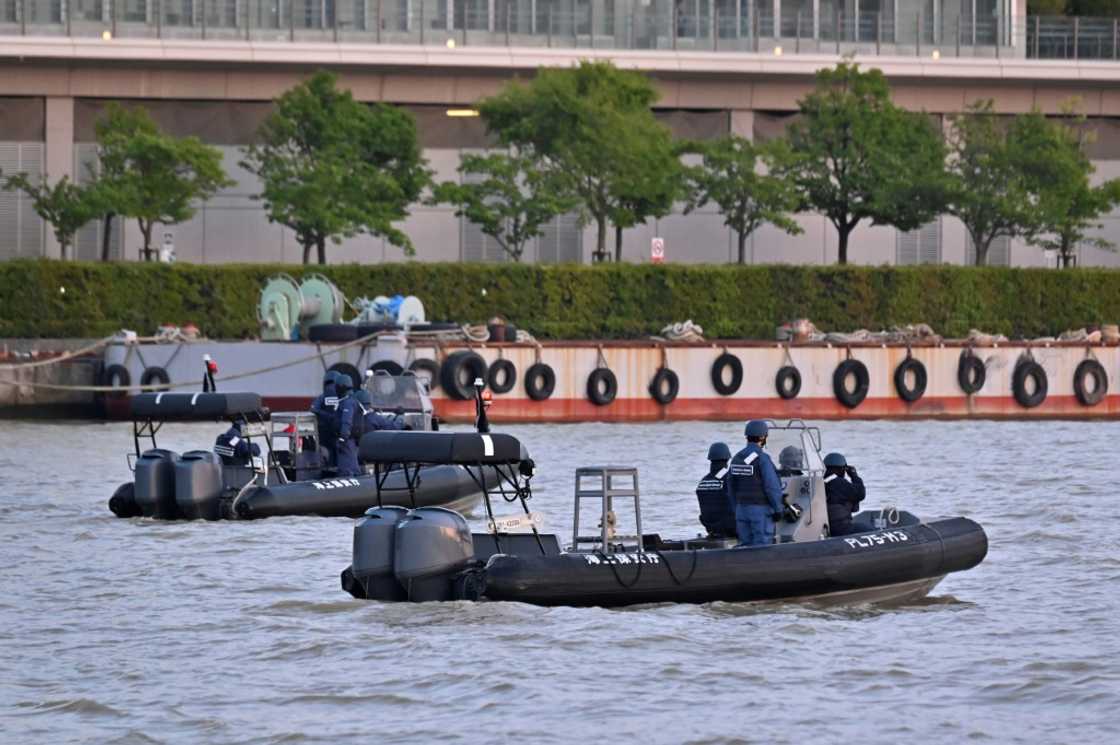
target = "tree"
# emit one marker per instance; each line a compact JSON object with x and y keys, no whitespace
{"x":1070,"y":206}
{"x":150,"y":176}
{"x":592,"y":127}
{"x":999,"y":173}
{"x":859,"y":157}
{"x":333,"y":167}
{"x":66,"y":206}
{"x":507,"y":196}
{"x":729,"y":176}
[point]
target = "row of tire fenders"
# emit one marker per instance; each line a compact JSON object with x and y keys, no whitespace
{"x":850,"y":380}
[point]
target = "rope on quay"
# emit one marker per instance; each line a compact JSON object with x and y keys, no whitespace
{"x":61,"y":358}
{"x":189,"y":384}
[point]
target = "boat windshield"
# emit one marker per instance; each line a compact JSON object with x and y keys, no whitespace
{"x":388,"y":392}
{"x":798,"y":447}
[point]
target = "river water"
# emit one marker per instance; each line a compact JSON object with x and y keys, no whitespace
{"x":135,"y":631}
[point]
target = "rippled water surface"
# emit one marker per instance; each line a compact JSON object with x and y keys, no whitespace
{"x":136,"y":631}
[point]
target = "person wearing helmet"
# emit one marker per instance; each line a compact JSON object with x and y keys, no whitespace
{"x":717,"y":514}
{"x":842,"y":494}
{"x":790,"y":462}
{"x":232,"y":447}
{"x":324,"y":408}
{"x":755,"y":488}
{"x":368,"y":420}
{"x":346,"y":447}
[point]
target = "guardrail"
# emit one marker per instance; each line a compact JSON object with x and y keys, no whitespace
{"x":702,"y":25}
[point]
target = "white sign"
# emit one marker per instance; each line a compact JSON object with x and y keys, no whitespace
{"x":167,"y":250}
{"x":657,"y":250}
{"x":510,"y":523}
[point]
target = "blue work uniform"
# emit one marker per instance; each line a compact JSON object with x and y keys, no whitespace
{"x":717,"y":513}
{"x":757,"y":491}
{"x":843,"y":499}
{"x":345,"y":444}
{"x":325,"y":408}
{"x":234,"y":449}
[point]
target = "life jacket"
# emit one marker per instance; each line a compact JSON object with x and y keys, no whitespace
{"x":745,"y":476}
{"x":716,"y":514}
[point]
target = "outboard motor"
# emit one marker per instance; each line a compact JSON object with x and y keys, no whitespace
{"x":432,"y":545}
{"x":198,"y":485}
{"x":371,"y":570}
{"x":155,"y":484}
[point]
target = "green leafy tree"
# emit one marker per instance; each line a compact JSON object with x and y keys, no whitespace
{"x":507,"y":196}
{"x":858,"y":157}
{"x":1005,"y":175}
{"x":591,"y":126}
{"x":729,"y":176}
{"x":66,"y":206}
{"x":332,"y":167}
{"x":150,"y":176}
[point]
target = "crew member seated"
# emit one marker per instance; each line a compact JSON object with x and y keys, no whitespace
{"x":370,"y":420}
{"x":790,"y":462}
{"x":843,"y":496}
{"x":234,"y":449}
{"x":716,"y":513}
{"x":324,"y":408}
{"x":346,"y":446}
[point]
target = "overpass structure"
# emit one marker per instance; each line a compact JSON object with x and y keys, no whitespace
{"x":211,"y":68}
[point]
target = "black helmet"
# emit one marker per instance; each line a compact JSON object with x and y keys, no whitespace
{"x":362,"y":396}
{"x":835,"y":460}
{"x":756,"y":428}
{"x":790,"y":458}
{"x":719,"y":451}
{"x":343,"y":382}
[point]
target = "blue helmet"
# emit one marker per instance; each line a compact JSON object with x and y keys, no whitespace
{"x":790,"y":458}
{"x":330,"y":378}
{"x":756,"y":428}
{"x":343,"y":382}
{"x":835,"y":460}
{"x":362,"y":396}
{"x":719,"y":451}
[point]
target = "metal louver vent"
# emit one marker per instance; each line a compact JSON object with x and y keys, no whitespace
{"x":21,"y":230}
{"x":919,"y":246}
{"x":999,"y":252}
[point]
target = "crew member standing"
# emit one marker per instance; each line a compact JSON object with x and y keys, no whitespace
{"x":716,"y":511}
{"x":325,"y":407}
{"x":345,"y":445}
{"x":843,"y":496}
{"x":755,"y":488}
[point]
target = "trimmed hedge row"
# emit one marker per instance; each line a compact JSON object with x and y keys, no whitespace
{"x":74,"y":299}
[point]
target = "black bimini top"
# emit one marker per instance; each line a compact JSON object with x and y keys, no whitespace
{"x":465,"y":448}
{"x":197,"y":407}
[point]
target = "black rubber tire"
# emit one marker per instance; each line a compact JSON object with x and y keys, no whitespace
{"x":853,"y":398}
{"x":971,"y":372}
{"x":665,"y":386}
{"x":123,"y":501}
{"x":436,"y":326}
{"x":366,"y":329}
{"x":921,"y":379}
{"x":788,"y":382}
{"x":388,"y":366}
{"x":155,"y":374}
{"x":540,"y":381}
{"x":1090,"y":368}
{"x":431,"y":367}
{"x":332,"y":332}
{"x":727,"y":360}
{"x":116,"y":376}
{"x":602,"y":386}
{"x":502,"y":376}
{"x":347,"y":369}
{"x":1029,"y":369}
{"x":452,"y":372}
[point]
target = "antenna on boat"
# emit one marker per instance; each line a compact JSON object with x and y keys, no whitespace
{"x":482,"y":401}
{"x":209,"y":368}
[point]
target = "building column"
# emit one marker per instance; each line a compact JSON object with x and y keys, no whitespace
{"x":741,"y":123}
{"x":59,"y":156}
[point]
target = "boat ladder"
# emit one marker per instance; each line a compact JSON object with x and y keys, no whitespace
{"x":606,"y":484}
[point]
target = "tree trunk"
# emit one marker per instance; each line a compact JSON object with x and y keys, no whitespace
{"x":842,"y":234}
{"x":147,"y":235}
{"x":64,"y":249}
{"x":742,"y":248}
{"x":306,"y":253}
{"x":1065,"y":257}
{"x":600,"y":253}
{"x":321,"y":246}
{"x":982,"y":251}
{"x":617,"y":244}
{"x":106,"y":232}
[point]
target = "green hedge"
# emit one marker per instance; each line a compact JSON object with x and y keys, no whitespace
{"x":570,"y":302}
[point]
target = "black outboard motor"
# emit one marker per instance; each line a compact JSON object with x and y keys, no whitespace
{"x":198,"y":485}
{"x":155,"y":484}
{"x":432,"y":546}
{"x":372,"y":564}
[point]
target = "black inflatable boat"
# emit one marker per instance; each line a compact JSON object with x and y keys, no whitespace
{"x":431,"y":554}
{"x":287,"y":479}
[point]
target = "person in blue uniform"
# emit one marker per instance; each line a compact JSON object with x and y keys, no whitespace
{"x":755,"y":488}
{"x":233,"y":448}
{"x":324,"y":407}
{"x":790,"y":462}
{"x":717,"y":514}
{"x":346,"y":446}
{"x":842,"y":494}
{"x":370,"y":420}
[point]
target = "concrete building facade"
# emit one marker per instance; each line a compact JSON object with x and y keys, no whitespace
{"x":211,"y":69}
